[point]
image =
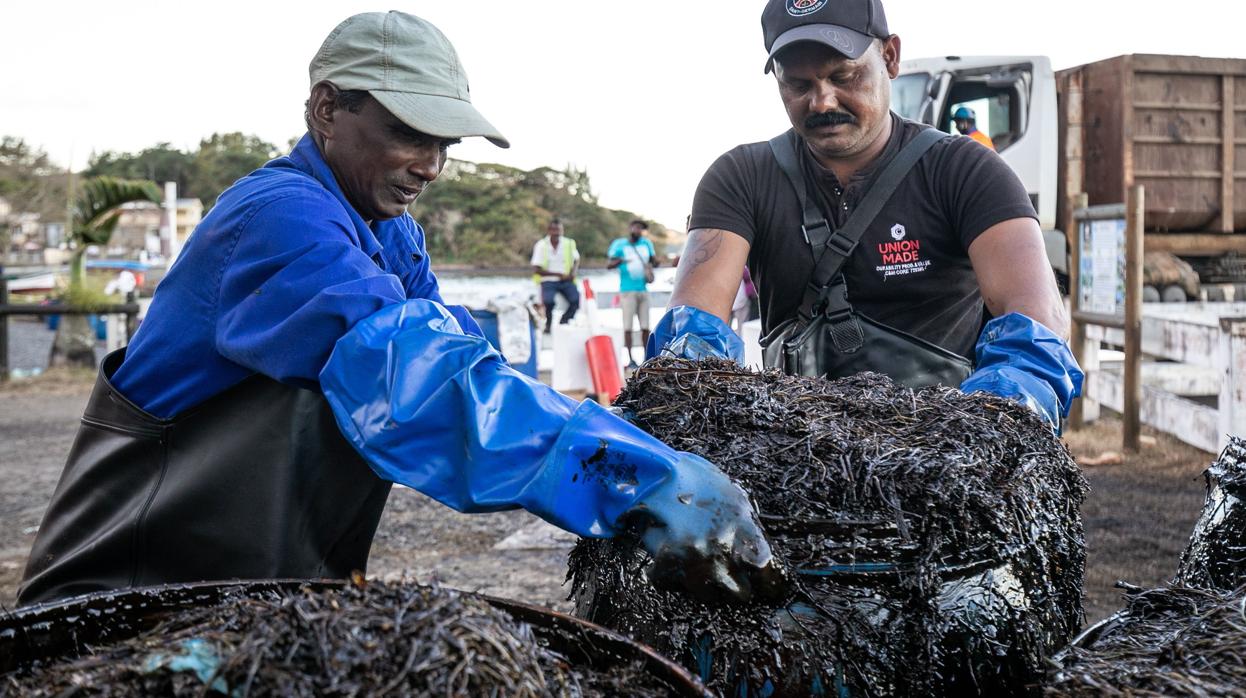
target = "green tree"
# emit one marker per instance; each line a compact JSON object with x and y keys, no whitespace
{"x":30,"y":181}
{"x":478,"y":214}
{"x":488,"y":214}
{"x":568,"y":194}
{"x":222,"y":159}
{"x":159,"y":163}
{"x":96,"y":209}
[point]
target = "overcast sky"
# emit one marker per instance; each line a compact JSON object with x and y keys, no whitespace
{"x":644,"y":94}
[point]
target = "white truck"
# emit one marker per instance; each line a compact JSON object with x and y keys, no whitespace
{"x":1176,"y":124}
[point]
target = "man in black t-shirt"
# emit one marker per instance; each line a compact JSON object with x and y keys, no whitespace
{"x":958,"y":239}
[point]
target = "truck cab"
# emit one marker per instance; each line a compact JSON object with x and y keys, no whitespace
{"x":1014,"y":98}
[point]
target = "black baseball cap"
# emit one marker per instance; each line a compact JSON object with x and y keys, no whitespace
{"x":848,"y":26}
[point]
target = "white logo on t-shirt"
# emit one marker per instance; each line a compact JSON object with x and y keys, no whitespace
{"x":897,"y":231}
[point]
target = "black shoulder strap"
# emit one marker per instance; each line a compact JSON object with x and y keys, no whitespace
{"x":832,"y":248}
{"x":814,"y":226}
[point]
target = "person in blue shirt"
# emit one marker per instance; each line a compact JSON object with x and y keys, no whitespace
{"x":635,"y":259}
{"x":298,"y":359}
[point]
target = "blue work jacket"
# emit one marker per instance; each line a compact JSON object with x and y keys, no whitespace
{"x":272,"y":277}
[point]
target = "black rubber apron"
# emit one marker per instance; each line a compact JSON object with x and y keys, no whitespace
{"x":254,"y":483}
{"x":828,"y":338}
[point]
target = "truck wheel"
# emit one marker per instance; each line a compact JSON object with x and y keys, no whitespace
{"x":1150,"y":294}
{"x":1173,"y":294}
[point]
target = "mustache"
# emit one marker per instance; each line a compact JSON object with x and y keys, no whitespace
{"x":828,"y":118}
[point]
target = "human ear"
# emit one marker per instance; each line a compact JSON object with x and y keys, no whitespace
{"x":321,"y":107}
{"x":890,"y":50}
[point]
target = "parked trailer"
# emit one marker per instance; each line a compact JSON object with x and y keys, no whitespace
{"x":1174,"y":124}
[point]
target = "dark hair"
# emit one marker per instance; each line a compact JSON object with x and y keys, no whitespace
{"x":350,"y":100}
{"x":643,"y":225}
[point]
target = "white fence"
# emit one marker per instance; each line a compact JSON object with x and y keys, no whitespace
{"x":1207,"y":342}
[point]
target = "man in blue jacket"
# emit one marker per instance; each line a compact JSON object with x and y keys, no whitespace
{"x":298,"y":359}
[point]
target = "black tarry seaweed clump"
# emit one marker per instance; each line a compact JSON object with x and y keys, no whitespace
{"x":373,"y":639}
{"x":935,"y":537}
{"x":1216,"y":554}
{"x":1187,"y":639}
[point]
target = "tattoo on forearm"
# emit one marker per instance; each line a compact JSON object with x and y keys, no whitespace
{"x":705,"y":247}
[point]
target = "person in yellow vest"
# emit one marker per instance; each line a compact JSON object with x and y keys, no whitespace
{"x":554,"y":263}
{"x":967,"y":123}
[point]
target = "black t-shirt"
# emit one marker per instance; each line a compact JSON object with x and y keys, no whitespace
{"x":911,"y":270}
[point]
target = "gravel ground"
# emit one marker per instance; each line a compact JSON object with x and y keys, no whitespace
{"x":1138,"y":515}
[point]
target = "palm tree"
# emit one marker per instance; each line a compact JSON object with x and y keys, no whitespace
{"x":94,"y":216}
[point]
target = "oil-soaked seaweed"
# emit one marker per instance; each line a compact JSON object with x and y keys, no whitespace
{"x":1177,"y":641}
{"x":1215,"y":557}
{"x":1188,"y":639}
{"x":935,"y":537}
{"x":361,"y":640}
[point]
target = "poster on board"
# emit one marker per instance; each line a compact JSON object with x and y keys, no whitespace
{"x":1101,"y":277}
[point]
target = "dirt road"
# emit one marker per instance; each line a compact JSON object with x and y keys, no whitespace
{"x":1138,"y":515}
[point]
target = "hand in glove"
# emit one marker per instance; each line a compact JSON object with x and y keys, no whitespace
{"x":691,"y":333}
{"x":1022,"y":360}
{"x":704,"y":537}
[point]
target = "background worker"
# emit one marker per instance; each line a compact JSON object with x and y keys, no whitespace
{"x":967,"y":123}
{"x":635,"y":259}
{"x":554,"y":264}
{"x":298,"y":359}
{"x":908,"y":296}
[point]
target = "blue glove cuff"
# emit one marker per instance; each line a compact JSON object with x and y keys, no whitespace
{"x":691,"y":333}
{"x":1019,"y":386}
{"x":1021,"y":359}
{"x":598,"y":469}
{"x":466,"y":322}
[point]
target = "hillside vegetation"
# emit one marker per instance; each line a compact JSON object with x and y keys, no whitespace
{"x":477,"y":214}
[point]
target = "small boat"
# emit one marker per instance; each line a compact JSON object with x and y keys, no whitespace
{"x":44,"y":282}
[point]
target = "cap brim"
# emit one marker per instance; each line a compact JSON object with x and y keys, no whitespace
{"x":849,"y":42}
{"x":444,"y":117}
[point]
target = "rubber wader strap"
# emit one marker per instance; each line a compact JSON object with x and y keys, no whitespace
{"x":832,"y":248}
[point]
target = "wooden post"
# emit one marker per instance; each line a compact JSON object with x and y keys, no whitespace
{"x":1077,"y":330}
{"x":1228,"y":146}
{"x":1232,"y":403}
{"x":131,"y":319}
{"x":1135,"y":209}
{"x":1090,"y":366}
{"x":4,"y":329}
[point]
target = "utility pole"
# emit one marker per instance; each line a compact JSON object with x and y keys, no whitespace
{"x":170,"y":220}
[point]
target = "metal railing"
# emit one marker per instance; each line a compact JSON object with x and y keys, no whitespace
{"x":129,"y":309}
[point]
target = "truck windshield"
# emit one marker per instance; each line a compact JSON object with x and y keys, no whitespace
{"x":908,"y":92}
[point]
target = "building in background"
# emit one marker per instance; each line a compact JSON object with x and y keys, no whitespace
{"x":139,"y":232}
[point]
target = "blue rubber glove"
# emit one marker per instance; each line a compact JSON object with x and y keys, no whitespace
{"x":435,"y":409}
{"x":1022,"y":360}
{"x":463,"y":316}
{"x":691,"y":333}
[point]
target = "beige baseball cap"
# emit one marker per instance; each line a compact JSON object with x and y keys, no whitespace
{"x":408,"y":66}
